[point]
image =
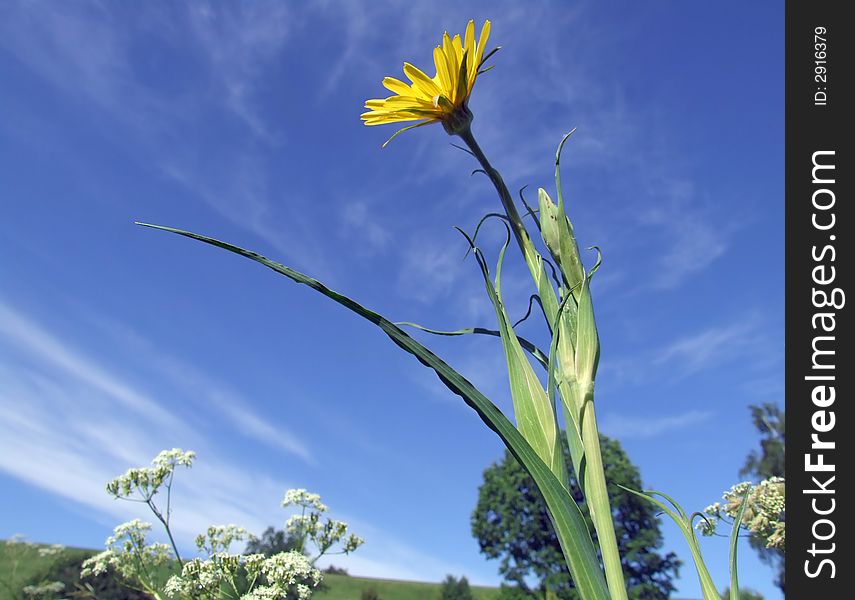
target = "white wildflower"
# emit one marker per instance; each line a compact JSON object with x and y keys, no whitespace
{"x":147,"y":480}
{"x":98,"y":564}
{"x":176,"y":586}
{"x":290,"y":568}
{"x":44,"y":590}
{"x":352,"y":543}
{"x":52,"y":550}
{"x":764,"y":511}
{"x":301,"y":497}
{"x":218,"y":538}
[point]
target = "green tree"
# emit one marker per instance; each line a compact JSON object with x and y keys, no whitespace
{"x":455,"y":589}
{"x":513,"y":592}
{"x":767,"y":462}
{"x":511,"y":523}
{"x":272,"y":541}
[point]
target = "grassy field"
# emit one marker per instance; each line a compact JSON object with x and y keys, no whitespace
{"x":342,"y":587}
{"x":22,"y":565}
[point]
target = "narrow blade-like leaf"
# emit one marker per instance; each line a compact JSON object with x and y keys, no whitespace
{"x":685,"y":524}
{"x":575,"y":541}
{"x":535,"y":352}
{"x":534,"y":413}
{"x":734,"y":539}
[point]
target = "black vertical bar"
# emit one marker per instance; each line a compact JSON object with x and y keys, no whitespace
{"x":819,"y":258}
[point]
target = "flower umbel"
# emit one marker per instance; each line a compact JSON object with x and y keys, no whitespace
{"x":441,"y":98}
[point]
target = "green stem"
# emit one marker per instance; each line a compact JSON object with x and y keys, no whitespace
{"x":532,"y":257}
{"x":594,"y":483}
{"x":168,"y":531}
{"x":597,"y":496}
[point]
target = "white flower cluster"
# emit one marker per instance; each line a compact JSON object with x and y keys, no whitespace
{"x":44,"y":590}
{"x":300,"y":497}
{"x":218,"y":538}
{"x":290,"y":568}
{"x":127,"y":552}
{"x":764,"y":510}
{"x":308,"y":524}
{"x":304,"y":525}
{"x":52,"y":550}
{"x":222,"y":574}
{"x":275,"y":592}
{"x":352,"y":542}
{"x":147,"y":480}
{"x":278,"y":577}
{"x":17,"y":541}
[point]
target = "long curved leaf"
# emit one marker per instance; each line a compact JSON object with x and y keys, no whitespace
{"x":684,"y":522}
{"x":536,"y":352}
{"x":734,"y":539}
{"x":570,"y":527}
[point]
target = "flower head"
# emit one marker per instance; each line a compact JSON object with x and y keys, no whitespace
{"x":301,"y":497}
{"x":441,"y":98}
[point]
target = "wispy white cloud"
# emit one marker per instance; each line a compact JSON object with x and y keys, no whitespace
{"x":430,"y":269}
{"x":57,"y":358}
{"x":364,"y":228}
{"x":89,"y":55}
{"x":236,"y":186}
{"x":690,"y":239}
{"x":63,"y":431}
{"x":239,"y":41}
{"x":623,"y":426}
{"x":765,"y":389}
{"x":31,"y":337}
{"x":62,"y":445}
{"x":742,"y":342}
{"x":710,"y":347}
{"x":205,"y":390}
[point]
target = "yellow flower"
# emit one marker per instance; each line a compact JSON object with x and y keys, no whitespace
{"x":441,"y":98}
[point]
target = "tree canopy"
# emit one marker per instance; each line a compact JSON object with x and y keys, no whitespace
{"x":455,"y":589}
{"x":272,"y":541}
{"x":511,"y":523}
{"x":768,"y":462}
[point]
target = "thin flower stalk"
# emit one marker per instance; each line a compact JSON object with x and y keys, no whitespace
{"x":591,"y":472}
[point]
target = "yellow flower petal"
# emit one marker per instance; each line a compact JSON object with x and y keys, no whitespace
{"x":421,"y":82}
{"x":397,"y":86}
{"x":441,"y":67}
{"x":479,"y":52}
{"x":469,"y":38}
{"x":458,"y":47}
{"x":452,"y":63}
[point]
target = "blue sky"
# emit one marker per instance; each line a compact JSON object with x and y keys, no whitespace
{"x":240,"y":121}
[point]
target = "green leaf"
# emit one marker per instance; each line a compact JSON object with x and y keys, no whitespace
{"x":565,"y":392}
{"x":587,"y":341}
{"x":569,"y":246}
{"x":684,"y":522}
{"x":734,"y":539}
{"x":535,"y":414}
{"x":535,"y":352}
{"x":407,"y":128}
{"x":576,"y":543}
